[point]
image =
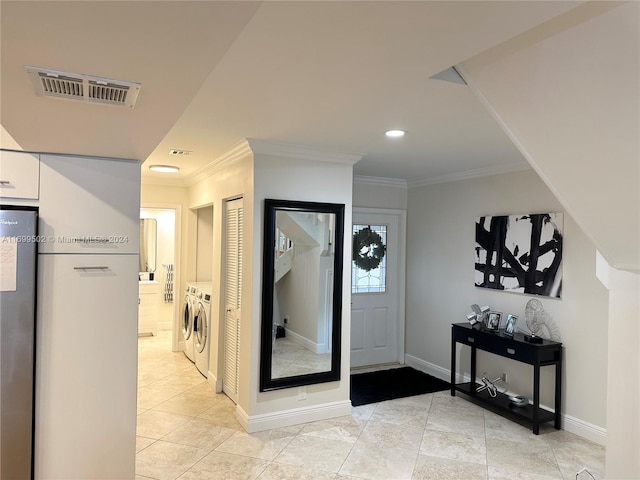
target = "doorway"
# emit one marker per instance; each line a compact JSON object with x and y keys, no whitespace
{"x":167,"y":271}
{"x":378,"y":288}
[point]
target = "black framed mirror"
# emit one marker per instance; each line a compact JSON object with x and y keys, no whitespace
{"x":301,"y":293}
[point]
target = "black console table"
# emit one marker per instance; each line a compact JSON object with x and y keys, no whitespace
{"x":516,"y":348}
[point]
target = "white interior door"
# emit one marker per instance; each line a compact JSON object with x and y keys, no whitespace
{"x":377,"y":295}
{"x":233,"y":296}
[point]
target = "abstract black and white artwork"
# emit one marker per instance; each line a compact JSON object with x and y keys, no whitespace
{"x":520,"y":253}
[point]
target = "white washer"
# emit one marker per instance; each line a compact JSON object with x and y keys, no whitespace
{"x":201,"y":329}
{"x":188,"y":315}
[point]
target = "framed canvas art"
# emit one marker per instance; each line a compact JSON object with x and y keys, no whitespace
{"x":520,"y":253}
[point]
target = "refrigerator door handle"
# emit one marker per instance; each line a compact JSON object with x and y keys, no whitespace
{"x":92,"y":268}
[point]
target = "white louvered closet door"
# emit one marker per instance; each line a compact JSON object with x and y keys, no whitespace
{"x":233,"y":293}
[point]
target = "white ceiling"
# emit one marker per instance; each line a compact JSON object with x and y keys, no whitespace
{"x":330,"y":75}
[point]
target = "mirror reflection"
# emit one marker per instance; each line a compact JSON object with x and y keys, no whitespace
{"x":304,"y":255}
{"x":301,"y":310}
{"x":148,"y":241}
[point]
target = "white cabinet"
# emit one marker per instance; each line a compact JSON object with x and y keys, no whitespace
{"x":148,"y":308}
{"x":19,"y":175}
{"x":86,"y":347}
{"x":86,"y":357}
{"x":89,"y":205}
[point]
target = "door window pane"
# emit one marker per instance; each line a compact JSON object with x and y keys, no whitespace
{"x":369,"y":274}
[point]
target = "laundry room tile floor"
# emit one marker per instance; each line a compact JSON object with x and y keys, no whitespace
{"x":186,"y":431}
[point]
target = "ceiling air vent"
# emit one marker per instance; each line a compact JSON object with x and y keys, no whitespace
{"x":85,"y":88}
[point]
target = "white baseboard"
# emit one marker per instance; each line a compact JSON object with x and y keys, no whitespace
{"x":433,"y":369}
{"x":214,"y":382}
{"x":242,"y":418}
{"x":585,"y":429}
{"x":304,"y":342}
{"x":570,"y":424}
{"x":294,"y":416}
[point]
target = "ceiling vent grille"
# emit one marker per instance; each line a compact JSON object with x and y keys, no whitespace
{"x":62,"y":86}
{"x":84,"y":88}
{"x":175,"y":151}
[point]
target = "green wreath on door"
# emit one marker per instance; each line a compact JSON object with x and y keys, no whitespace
{"x":368,"y":249}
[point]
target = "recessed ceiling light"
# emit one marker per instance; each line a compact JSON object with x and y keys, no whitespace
{"x":164,"y":168}
{"x":395,"y":133}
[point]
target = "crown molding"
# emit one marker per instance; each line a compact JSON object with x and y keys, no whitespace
{"x":237,"y":152}
{"x":380,"y":181}
{"x":469,"y":174}
{"x":300,"y":152}
{"x":252,"y":146}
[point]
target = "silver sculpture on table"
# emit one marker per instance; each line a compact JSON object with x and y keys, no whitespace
{"x":489,"y":385}
{"x":478,"y":315}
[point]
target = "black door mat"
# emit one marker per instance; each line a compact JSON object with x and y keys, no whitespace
{"x":383,"y":385}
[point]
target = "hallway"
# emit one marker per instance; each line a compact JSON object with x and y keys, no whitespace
{"x":187,"y":431}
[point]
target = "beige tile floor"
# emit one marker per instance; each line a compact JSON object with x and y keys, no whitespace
{"x":187,"y":432}
{"x":289,"y":359}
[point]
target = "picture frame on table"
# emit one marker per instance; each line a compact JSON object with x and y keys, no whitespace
{"x":510,"y":326}
{"x":493,"y":321}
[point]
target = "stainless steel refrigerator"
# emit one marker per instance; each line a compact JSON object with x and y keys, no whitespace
{"x":18,"y":260}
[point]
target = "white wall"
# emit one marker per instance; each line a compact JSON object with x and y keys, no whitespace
{"x":304,"y":175}
{"x":567,"y":94}
{"x":204,"y":245}
{"x":440,"y":290}
{"x":379,"y":193}
{"x":298,"y":174}
{"x":232,"y":179}
{"x":623,"y":416}
{"x":298,"y":291}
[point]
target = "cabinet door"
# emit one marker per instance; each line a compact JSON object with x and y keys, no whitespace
{"x":233,"y":298}
{"x":19,"y":173}
{"x":89,"y":205}
{"x":86,"y":364}
{"x":148,"y":314}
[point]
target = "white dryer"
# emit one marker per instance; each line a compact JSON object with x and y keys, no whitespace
{"x":188,"y":316}
{"x":201,"y":285}
{"x":201,"y":329}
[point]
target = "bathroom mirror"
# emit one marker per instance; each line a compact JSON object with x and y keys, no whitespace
{"x":301,"y":293}
{"x":148,"y":244}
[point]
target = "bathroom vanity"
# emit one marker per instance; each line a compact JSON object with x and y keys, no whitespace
{"x":147,"y":307}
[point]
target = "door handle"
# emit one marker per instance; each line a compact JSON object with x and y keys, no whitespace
{"x":5,"y":182}
{"x":99,"y":267}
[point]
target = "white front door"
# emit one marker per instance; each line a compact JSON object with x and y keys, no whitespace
{"x":377,"y":290}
